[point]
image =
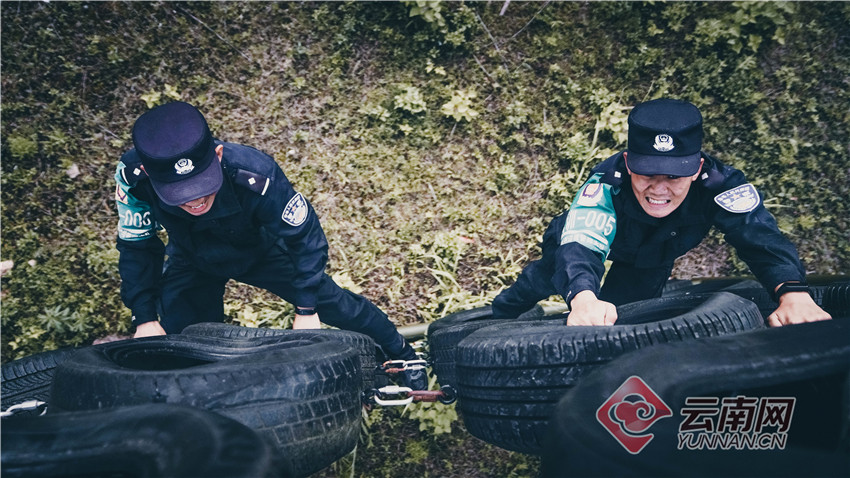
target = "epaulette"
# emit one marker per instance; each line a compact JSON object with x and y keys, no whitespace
{"x":613,"y":177}
{"x":132,"y":172}
{"x":250,"y":180}
{"x":711,"y":177}
{"x":612,"y":170}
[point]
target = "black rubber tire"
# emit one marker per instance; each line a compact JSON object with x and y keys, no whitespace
{"x":834,"y":298}
{"x":29,"y":378}
{"x":708,"y":286}
{"x":146,"y":441}
{"x":444,"y":334}
{"x":674,"y":285}
{"x":363,"y":343}
{"x":301,"y":394}
{"x":461,"y":317}
{"x":808,"y":362}
{"x":832,"y":293}
{"x":510,"y":376}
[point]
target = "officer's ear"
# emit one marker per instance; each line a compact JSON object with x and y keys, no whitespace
{"x":219,"y":151}
{"x":626,"y":159}
{"x":695,"y":176}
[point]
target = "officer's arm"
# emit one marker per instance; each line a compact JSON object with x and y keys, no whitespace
{"x":750,"y":228}
{"x":140,"y":267}
{"x":577,"y":268}
{"x":758,"y":242}
{"x":289,"y":216}
{"x":141,"y":253}
{"x":579,"y":262}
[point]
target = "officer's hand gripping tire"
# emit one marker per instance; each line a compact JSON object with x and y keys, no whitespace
{"x":510,"y":376}
{"x":831,"y":293}
{"x":445,"y":333}
{"x":145,"y":441}
{"x":301,"y":394}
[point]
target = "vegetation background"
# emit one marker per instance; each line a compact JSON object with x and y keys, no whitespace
{"x":435,"y":139}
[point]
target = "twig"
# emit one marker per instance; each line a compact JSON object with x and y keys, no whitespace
{"x":547,"y":2}
{"x":434,"y":193}
{"x":504,"y":7}
{"x":482,"y":68}
{"x":86,"y":114}
{"x":495,"y":44}
{"x":231,"y":45}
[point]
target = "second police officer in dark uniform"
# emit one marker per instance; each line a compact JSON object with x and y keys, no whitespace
{"x":645,"y":207}
{"x":230,"y":213}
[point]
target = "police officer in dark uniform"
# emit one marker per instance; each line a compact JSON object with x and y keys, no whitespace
{"x":230,"y":213}
{"x":645,"y":207}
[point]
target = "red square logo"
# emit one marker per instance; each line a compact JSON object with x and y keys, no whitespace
{"x":630,"y":411}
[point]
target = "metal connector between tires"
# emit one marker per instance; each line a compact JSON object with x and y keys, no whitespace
{"x":394,"y":395}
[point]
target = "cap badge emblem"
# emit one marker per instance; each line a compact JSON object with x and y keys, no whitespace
{"x":663,"y":143}
{"x":184,"y":166}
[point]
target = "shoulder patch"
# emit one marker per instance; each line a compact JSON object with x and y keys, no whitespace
{"x":741,"y":199}
{"x":296,"y":210}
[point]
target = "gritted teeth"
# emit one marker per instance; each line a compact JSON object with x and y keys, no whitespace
{"x":657,"y":202}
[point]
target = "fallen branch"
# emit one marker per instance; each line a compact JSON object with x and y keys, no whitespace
{"x":231,"y":45}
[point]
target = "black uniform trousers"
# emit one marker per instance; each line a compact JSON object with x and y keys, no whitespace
{"x":535,"y":281}
{"x":189,"y":296}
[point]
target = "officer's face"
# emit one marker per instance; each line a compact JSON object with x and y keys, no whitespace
{"x":200,"y":206}
{"x":660,"y":195}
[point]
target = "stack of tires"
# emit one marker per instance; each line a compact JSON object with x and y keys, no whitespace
{"x":217,"y":400}
{"x":765,"y":403}
{"x":511,"y":374}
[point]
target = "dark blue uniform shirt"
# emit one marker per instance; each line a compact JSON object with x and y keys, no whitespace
{"x":644,"y":248}
{"x":255,"y":209}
